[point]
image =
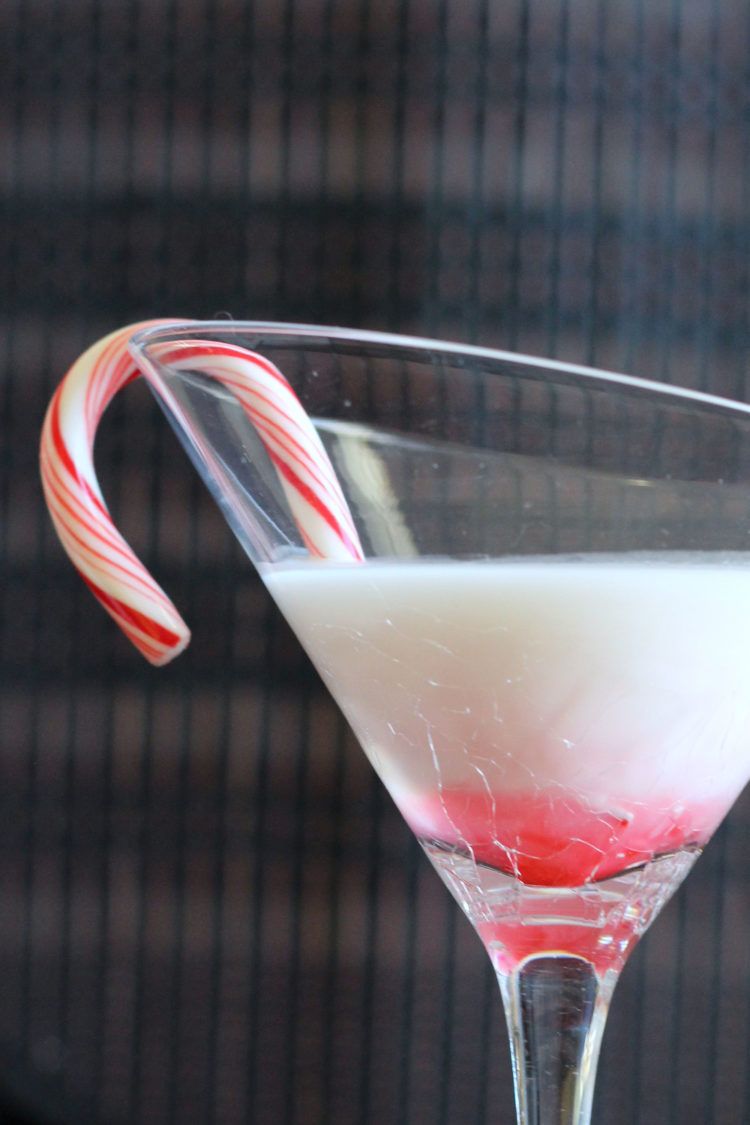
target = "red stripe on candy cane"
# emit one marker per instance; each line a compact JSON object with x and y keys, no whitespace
{"x":100,"y":554}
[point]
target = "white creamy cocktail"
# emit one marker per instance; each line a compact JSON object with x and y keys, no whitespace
{"x":552,"y":717}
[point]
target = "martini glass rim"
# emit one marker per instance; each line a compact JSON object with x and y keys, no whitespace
{"x":144,"y":339}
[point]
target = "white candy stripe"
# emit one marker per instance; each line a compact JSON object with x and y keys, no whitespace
{"x":79,"y":512}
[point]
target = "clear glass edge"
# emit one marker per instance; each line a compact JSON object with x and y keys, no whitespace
{"x":139,"y":344}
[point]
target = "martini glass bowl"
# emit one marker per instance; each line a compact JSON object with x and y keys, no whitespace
{"x":544,"y":652}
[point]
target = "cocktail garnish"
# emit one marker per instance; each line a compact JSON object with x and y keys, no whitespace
{"x":77,"y":507}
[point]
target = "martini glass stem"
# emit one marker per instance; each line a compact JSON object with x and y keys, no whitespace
{"x":556,"y":1008}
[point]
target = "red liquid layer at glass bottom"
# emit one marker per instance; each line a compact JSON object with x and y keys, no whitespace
{"x":600,"y":922}
{"x":509,"y":946}
{"x":546,"y":840}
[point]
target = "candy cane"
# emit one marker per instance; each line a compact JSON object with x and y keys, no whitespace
{"x":77,"y":507}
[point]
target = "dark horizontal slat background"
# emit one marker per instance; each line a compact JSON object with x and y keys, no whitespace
{"x":210,"y":911}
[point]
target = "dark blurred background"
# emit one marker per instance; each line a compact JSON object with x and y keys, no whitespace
{"x":209,"y":910}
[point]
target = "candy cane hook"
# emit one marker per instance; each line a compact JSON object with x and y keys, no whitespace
{"x":77,"y":507}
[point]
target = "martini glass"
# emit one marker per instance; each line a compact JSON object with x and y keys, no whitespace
{"x":545,"y":651}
